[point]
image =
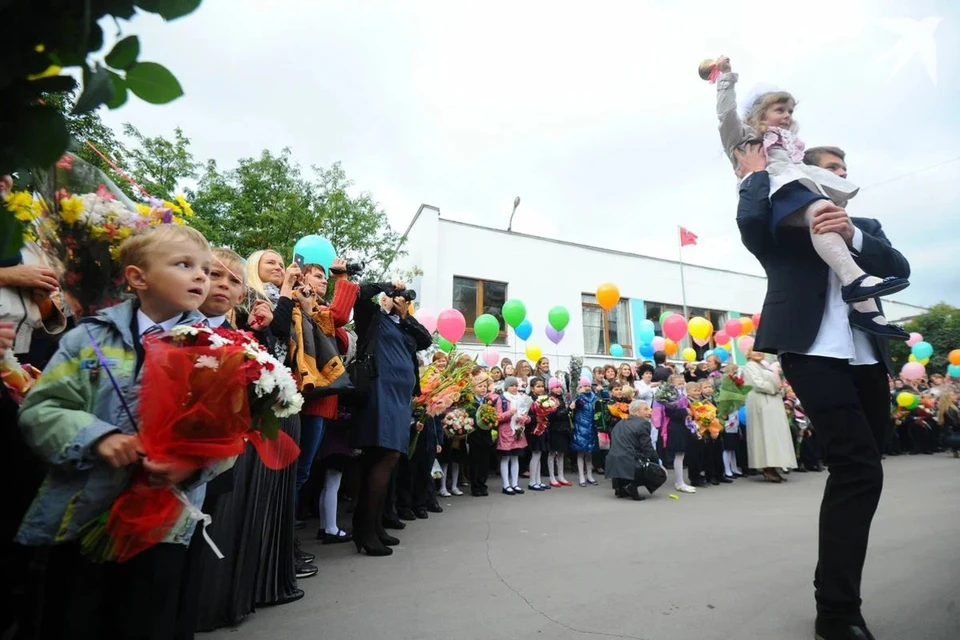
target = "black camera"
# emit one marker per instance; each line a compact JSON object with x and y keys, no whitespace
{"x":353,"y":269}
{"x":392,"y":292}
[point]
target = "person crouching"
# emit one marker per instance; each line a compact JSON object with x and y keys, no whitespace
{"x":632,"y":452}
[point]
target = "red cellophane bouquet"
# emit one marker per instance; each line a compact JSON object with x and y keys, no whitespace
{"x":205,"y":392}
{"x":543,"y":407}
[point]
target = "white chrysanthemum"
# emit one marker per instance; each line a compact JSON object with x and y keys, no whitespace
{"x":290,"y":408}
{"x":217,"y":341}
{"x":265,"y":385}
{"x":208,"y":362}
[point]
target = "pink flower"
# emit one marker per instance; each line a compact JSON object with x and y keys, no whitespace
{"x":103,"y":192}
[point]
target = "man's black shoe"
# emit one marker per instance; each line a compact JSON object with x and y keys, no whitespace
{"x":406,"y":514}
{"x":841,"y":631}
{"x":305,"y":570}
{"x":435,"y":508}
{"x":420,"y":513}
{"x":394,"y":524}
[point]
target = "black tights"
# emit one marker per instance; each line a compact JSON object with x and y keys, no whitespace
{"x":376,"y":466}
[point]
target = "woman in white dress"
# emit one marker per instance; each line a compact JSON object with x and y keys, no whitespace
{"x":769,"y":444}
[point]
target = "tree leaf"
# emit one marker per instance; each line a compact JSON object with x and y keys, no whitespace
{"x":169,"y":9}
{"x":97,"y":89}
{"x":124,"y":53}
{"x":54,"y":84}
{"x":41,"y":135}
{"x":119,"y":91}
{"x":153,"y":83}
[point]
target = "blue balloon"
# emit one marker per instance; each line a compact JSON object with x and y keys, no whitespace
{"x":707,"y":353}
{"x":647,"y":332}
{"x":586,"y":373}
{"x":315,"y":250}
{"x":524,"y":329}
{"x":922,"y":350}
{"x":616,"y":351}
{"x":954,"y":370}
{"x":743,"y":415}
{"x":721,"y":353}
{"x":646,"y":350}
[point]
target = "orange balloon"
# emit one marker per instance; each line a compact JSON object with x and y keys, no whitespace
{"x":954,"y":356}
{"x":608,"y":296}
{"x":747,"y":325}
{"x":670,"y":347}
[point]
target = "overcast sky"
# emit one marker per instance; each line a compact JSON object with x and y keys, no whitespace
{"x":592,"y":114}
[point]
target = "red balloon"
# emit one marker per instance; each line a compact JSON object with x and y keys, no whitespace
{"x":733,"y":327}
{"x":721,"y":337}
{"x":756,"y":320}
{"x":674,"y":327}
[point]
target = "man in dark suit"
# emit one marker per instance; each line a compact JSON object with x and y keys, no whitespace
{"x":839,"y":374}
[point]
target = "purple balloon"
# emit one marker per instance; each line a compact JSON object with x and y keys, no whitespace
{"x":553,"y":335}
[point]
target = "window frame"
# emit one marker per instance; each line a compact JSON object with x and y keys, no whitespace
{"x":469,"y":337}
{"x":628,"y":350}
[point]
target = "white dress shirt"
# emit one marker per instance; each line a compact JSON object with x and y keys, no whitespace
{"x":144,"y":323}
{"x":216,"y":321}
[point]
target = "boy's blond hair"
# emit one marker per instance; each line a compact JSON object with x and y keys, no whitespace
{"x":693,"y":385}
{"x":230,"y":260}
{"x":136,"y":250}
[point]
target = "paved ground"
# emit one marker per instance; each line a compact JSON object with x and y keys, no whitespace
{"x":731,"y":562}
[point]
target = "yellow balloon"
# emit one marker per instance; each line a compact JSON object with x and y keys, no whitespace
{"x":533,"y":352}
{"x":689,"y":354}
{"x":747,"y":325}
{"x":700,"y":328}
{"x":912,"y":358}
{"x":925,"y":361}
{"x":904,"y":399}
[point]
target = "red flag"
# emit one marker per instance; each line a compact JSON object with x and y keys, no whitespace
{"x":687,"y":237}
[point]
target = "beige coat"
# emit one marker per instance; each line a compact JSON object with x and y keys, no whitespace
{"x":17,"y":305}
{"x":769,"y":443}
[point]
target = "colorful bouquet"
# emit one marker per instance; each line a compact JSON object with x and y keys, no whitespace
{"x":487,"y":417}
{"x":704,"y":416}
{"x":17,"y":378}
{"x":440,"y":388}
{"x":205,"y":392}
{"x":458,"y":424}
{"x":733,"y":394}
{"x":619,"y":410}
{"x":542,"y":408}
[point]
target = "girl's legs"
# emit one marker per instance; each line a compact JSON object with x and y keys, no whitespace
{"x":678,"y":480}
{"x":535,"y":476}
{"x":454,"y":479}
{"x":561,"y":458}
{"x":515,"y":472}
{"x":551,"y":459}
{"x":729,"y":462}
{"x":445,"y":467}
{"x":580,"y":467}
{"x":588,"y":458}
{"x":505,"y":471}
{"x":328,"y":501}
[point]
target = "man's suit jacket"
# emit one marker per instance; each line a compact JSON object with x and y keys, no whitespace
{"x":797,"y":276}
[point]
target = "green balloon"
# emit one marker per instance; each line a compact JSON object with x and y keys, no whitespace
{"x":665,"y":315}
{"x":487,"y":328}
{"x":445,"y":345}
{"x":559,"y":318}
{"x":915,"y":403}
{"x":514,"y":312}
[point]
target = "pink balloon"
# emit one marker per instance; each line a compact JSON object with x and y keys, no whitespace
{"x":733,"y":327}
{"x":427,"y":319}
{"x":658,"y":343}
{"x":701,"y":342}
{"x":912,"y":371}
{"x":756,"y":320}
{"x":745,"y":343}
{"x":721,"y":337}
{"x":491,"y":357}
{"x":451,"y":325}
{"x":914,"y":339}
{"x":674,"y":327}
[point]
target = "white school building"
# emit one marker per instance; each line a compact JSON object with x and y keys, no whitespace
{"x":453,"y":269}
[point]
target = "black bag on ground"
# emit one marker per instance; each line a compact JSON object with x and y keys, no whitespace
{"x":649,"y":474}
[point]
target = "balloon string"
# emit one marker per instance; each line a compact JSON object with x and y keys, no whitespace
{"x":117,"y":169}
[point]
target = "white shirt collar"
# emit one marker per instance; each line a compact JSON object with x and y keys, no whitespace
{"x":216,"y":321}
{"x":144,"y":323}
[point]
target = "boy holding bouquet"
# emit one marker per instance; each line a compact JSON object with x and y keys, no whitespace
{"x":77,"y":418}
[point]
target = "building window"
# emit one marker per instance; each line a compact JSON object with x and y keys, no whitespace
{"x":473,"y":297}
{"x":653,"y":311}
{"x":602,"y":329}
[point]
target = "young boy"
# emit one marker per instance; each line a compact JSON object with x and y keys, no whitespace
{"x":712,"y":443}
{"x":76,"y":420}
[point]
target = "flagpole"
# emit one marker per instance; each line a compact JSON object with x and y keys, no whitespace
{"x":683,"y":287}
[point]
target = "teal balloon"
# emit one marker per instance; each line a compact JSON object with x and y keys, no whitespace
{"x":922,"y":350}
{"x":646,"y":350}
{"x":524,"y":329}
{"x":514,"y":312}
{"x":559,"y":318}
{"x":315,"y":250}
{"x":721,"y":353}
{"x":586,"y":373}
{"x":954,"y":370}
{"x":445,"y":345}
{"x":707,"y":353}
{"x":647,"y":332}
{"x":665,"y":315}
{"x":616,"y":351}
{"x":487,"y":328}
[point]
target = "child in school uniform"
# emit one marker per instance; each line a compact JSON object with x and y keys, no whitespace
{"x":712,"y":444}
{"x":76,"y":420}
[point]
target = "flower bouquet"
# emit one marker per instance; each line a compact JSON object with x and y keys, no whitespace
{"x":619,"y":410}
{"x":458,"y":424}
{"x":543,"y":407}
{"x":205,"y":392}
{"x":704,"y":415}
{"x":733,"y":394}
{"x":486,"y":418}
{"x":440,"y":389}
{"x":520,"y":419}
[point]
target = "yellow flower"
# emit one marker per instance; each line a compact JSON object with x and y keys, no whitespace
{"x":187,"y":209}
{"x":99,"y":233}
{"x":124,"y":232}
{"x":18,"y":200}
{"x":144,"y":209}
{"x":52,"y":70}
{"x":70,"y":209}
{"x":169,"y":205}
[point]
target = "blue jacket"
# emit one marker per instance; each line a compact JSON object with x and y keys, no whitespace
{"x":584,"y":433}
{"x":69,"y":409}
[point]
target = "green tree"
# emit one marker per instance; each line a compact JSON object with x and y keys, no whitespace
{"x":158,"y":164}
{"x":940,"y":326}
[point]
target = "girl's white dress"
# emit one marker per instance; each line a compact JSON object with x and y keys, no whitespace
{"x":784,"y":150}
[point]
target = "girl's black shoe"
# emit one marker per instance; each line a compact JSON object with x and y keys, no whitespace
{"x":373,"y":550}
{"x":865,"y":322}
{"x":388,"y":540}
{"x":857,"y":292}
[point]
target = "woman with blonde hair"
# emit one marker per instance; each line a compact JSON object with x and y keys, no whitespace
{"x":769,"y":443}
{"x":948,"y":417}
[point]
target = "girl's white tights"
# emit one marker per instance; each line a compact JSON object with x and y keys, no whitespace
{"x":555,"y":457}
{"x":678,"y":480}
{"x":510,"y":471}
{"x":454,"y":475}
{"x":536,"y":479}
{"x":585,"y":460}
{"x":730,"y":463}
{"x":834,"y":251}
{"x":328,"y":499}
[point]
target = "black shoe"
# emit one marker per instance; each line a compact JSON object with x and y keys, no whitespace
{"x":299,"y":524}
{"x":295,"y":595}
{"x":304,"y":557}
{"x":305,"y":570}
{"x":856,"y":292}
{"x":394,"y":524}
{"x":334,"y":538}
{"x":801,"y":469}
{"x":421,"y":514}
{"x":508,"y":491}
{"x":715,"y":482}
{"x":373,"y":550}
{"x":725,"y":480}
{"x":631,"y":490}
{"x":388,"y":540}
{"x":518,"y":491}
{"x":841,"y":631}
{"x":406,"y":514}
{"x":435,"y":508}
{"x":864,"y":322}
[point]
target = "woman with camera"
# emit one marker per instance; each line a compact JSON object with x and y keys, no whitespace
{"x":388,"y":341}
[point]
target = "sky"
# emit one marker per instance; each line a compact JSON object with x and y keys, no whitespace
{"x":592,"y":113}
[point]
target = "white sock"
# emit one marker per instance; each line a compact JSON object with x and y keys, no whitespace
{"x":678,"y":471}
{"x":535,"y":469}
{"x":654,"y":434}
{"x":328,"y":498}
{"x":505,"y":471}
{"x":589,"y":460}
{"x":551,"y":460}
{"x":443,"y":477}
{"x":869,"y":306}
{"x":727,"y":465}
{"x":515,"y":471}
{"x":580,"y":467}
{"x":454,"y":475}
